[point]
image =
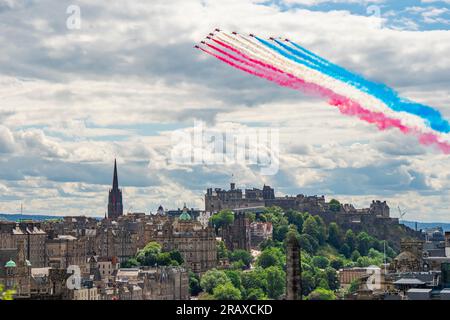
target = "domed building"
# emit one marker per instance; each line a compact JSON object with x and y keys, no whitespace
{"x":15,"y":271}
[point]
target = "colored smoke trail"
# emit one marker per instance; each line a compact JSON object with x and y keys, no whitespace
{"x":380,"y":91}
{"x":246,"y":55}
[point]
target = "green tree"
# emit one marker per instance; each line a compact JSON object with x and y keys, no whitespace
{"x":271,"y":257}
{"x":275,"y":215}
{"x":276,"y":282}
{"x":309,"y":243}
{"x":364,"y":242}
{"x":335,"y":205}
{"x":321,"y":294}
{"x":253,"y":279}
{"x":332,"y":277}
{"x":222,"y":219}
{"x":6,"y":294}
{"x":256,"y":294}
{"x":235,"y":278}
{"x":345,"y":250}
{"x":320,"y":262}
{"x":313,"y":227}
{"x":130,"y":263}
{"x":337,"y":263}
{"x":148,"y":256}
{"x":308,"y":282}
{"x":355,"y":255}
{"x":226,"y":291}
{"x":280,"y":231}
{"x":222,"y":251}
{"x":295,"y":218}
{"x":194,"y":284}
{"x":213,"y":278}
{"x":350,"y":240}
{"x":241,"y":255}
{"x":354,"y":285}
{"x":334,"y":235}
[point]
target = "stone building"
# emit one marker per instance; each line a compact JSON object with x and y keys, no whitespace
{"x":237,"y":235}
{"x":196,"y":243}
{"x":15,"y":270}
{"x":151,"y":283}
{"x":410,"y":258}
{"x":259,"y":232}
{"x":28,"y":232}
{"x":65,"y":250}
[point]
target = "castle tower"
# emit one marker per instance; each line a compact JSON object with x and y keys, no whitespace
{"x":293,"y":269}
{"x":115,"y":206}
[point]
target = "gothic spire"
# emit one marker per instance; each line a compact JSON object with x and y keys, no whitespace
{"x":115,"y":179}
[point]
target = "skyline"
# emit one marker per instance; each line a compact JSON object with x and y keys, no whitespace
{"x":122,"y":84}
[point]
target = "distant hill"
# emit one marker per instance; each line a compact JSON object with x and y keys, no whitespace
{"x":425,"y":225}
{"x":35,"y":217}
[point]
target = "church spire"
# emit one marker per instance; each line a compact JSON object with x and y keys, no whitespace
{"x":115,"y":206}
{"x":115,"y":179}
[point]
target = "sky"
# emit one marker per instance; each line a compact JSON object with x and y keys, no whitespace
{"x":127,"y":78}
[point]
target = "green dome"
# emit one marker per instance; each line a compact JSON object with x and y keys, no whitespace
{"x":185,"y":215}
{"x":10,"y":264}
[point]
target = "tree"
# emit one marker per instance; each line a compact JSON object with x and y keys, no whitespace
{"x":271,"y":257}
{"x":256,"y":294}
{"x":241,"y":255}
{"x":152,"y":255}
{"x":320,"y":262}
{"x":275,"y":215}
{"x":276,"y":283}
{"x":313,"y":227}
{"x":226,"y":291}
{"x":194,"y":284}
{"x":222,"y":251}
{"x":335,"y":205}
{"x":337,"y":263}
{"x":321,"y":294}
{"x":222,"y":219}
{"x":355,"y":255}
{"x":364,"y":241}
{"x":345,"y":250}
{"x":308,"y":243}
{"x":235,"y":278}
{"x":334,"y":235}
{"x":332,"y":277}
{"x":213,"y":278}
{"x":280,"y":231}
{"x":350,"y":240}
{"x":354,"y":286}
{"x":295,"y":218}
{"x":130,"y":263}
{"x":253,"y":279}
{"x":6,"y":294}
{"x":308,"y":282}
{"x":149,"y":254}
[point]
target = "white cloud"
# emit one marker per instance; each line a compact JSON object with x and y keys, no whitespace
{"x":74,"y":100}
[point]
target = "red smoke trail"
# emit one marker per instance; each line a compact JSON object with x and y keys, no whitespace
{"x":266,"y":65}
{"x":345,"y":105}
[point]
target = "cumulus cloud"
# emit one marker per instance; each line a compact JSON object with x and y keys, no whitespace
{"x":73,"y":100}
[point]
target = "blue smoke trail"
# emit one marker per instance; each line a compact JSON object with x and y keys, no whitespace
{"x":432,"y":117}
